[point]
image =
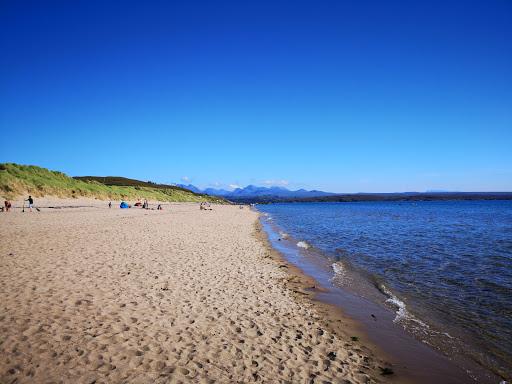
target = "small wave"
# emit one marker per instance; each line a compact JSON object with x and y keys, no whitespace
{"x":403,"y":315}
{"x":339,"y":272}
{"x":267,"y":216}
{"x":412,"y":323}
{"x":401,"y":312}
{"x":284,"y":235}
{"x":303,"y":244}
{"x":338,"y":268}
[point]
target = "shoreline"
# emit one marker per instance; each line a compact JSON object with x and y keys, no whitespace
{"x":180,"y":295}
{"x":415,"y":359}
{"x":306,"y":289}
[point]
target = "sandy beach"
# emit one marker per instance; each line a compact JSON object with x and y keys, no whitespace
{"x":98,"y":295}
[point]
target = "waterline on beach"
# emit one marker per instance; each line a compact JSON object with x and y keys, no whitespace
{"x":342,"y":273}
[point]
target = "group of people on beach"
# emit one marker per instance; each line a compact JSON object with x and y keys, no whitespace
{"x":143,"y":205}
{"x":205,"y":206}
{"x":8,"y":205}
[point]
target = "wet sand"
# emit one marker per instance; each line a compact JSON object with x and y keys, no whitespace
{"x":102,"y":295}
{"x":412,"y":359}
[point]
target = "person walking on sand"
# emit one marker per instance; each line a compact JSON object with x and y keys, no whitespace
{"x":110,"y":204}
{"x":30,"y":202}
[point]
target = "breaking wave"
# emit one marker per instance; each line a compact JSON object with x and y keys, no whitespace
{"x":303,"y":244}
{"x":402,"y":314}
{"x":339,"y":272}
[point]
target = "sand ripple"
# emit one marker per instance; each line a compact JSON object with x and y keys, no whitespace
{"x":111,"y":296}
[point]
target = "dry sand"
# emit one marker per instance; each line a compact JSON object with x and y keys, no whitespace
{"x":92,"y":295}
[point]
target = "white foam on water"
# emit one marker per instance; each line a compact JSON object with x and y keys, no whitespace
{"x":284,"y":235}
{"x":303,"y":244}
{"x":447,"y":334}
{"x":339,"y":269}
{"x":339,"y":272}
{"x":267,"y":216}
{"x":402,"y":313}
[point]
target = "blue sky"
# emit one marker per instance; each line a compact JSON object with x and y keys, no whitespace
{"x":374,"y":96}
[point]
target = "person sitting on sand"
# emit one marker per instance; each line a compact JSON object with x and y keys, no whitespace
{"x":30,"y":202}
{"x":7,"y":204}
{"x":159,"y":208}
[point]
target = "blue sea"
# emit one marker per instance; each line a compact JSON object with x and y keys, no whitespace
{"x":445,"y":267}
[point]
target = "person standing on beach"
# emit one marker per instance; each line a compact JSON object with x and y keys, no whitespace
{"x":30,"y":202}
{"x":110,"y":204}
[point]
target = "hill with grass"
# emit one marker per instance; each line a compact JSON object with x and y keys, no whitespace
{"x":17,"y":180}
{"x":126,"y":182}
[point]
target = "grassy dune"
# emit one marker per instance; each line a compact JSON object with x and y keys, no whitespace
{"x":17,"y":180}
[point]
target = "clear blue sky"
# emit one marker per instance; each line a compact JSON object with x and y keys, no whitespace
{"x":336,"y":95}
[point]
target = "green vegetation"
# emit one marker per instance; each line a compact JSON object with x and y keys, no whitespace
{"x":17,"y":180}
{"x":125,"y":182}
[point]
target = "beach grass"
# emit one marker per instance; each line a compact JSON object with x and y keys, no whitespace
{"x":16,"y":180}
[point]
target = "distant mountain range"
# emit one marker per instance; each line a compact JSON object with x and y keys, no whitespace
{"x":253,"y":192}
{"x":405,"y":196}
{"x":190,"y":187}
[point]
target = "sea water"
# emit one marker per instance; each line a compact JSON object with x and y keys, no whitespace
{"x":444,"y":267}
